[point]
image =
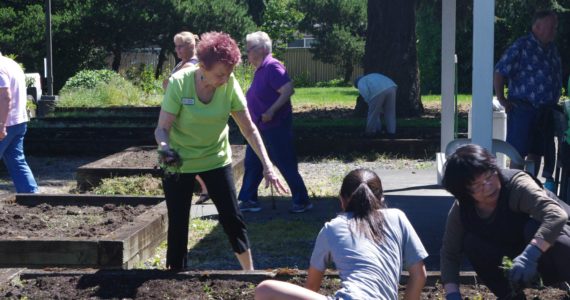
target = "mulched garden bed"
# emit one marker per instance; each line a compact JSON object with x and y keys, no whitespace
{"x":166,"y":285}
{"x":45,"y":220}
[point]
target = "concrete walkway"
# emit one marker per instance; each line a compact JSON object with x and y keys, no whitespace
{"x":413,"y":191}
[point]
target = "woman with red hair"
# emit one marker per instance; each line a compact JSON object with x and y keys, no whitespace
{"x":192,"y":136}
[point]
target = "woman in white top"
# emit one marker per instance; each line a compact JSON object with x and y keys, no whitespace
{"x":185,"y":45}
{"x":369,"y":244}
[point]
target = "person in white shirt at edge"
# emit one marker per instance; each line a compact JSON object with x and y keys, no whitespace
{"x":379,"y":92}
{"x":369,"y":244}
{"x":13,"y":125}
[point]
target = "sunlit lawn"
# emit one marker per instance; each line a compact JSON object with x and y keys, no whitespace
{"x":461,"y":99}
{"x":345,"y":96}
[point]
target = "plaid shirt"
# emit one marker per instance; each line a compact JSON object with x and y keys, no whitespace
{"x":534,"y":72}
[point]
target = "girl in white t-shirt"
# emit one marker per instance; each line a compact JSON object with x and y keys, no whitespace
{"x":369,"y":245}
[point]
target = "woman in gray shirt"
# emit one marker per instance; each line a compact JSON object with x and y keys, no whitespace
{"x":369,"y":244}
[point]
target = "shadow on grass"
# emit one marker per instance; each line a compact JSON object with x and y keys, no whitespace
{"x":278,"y":238}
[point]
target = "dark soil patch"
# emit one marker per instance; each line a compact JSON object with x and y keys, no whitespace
{"x":165,"y":285}
{"x":44,"y":220}
{"x":136,"y":157}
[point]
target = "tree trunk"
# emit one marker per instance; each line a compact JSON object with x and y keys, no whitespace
{"x":348,"y":69}
{"x":391,"y":50}
{"x":116,"y":59}
{"x":160,"y":63}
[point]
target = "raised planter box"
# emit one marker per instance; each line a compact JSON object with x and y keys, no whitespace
{"x":137,"y":161}
{"x":123,"y":248}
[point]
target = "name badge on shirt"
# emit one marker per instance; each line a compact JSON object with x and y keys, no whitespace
{"x":188,"y":101}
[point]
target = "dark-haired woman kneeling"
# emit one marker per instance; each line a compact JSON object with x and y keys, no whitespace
{"x":369,"y":244}
{"x":501,"y":213}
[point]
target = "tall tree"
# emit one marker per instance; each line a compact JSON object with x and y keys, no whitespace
{"x":339,"y":28}
{"x":280,"y":20}
{"x":391,"y":50}
{"x":255,"y":9}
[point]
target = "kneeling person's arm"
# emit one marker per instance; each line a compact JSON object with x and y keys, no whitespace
{"x":416,"y":281}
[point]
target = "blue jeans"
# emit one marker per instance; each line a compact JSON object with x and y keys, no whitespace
{"x":12,"y":152}
{"x":279,"y":145}
{"x":526,"y":134}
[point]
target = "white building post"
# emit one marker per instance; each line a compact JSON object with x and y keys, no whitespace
{"x":483,"y":43}
{"x":448,"y":25}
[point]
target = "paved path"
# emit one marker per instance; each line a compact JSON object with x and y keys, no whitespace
{"x":413,"y":191}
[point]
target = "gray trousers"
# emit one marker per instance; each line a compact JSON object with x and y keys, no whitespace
{"x":382,"y":105}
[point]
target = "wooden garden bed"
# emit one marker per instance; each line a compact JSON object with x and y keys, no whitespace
{"x":74,"y":231}
{"x":138,"y":161}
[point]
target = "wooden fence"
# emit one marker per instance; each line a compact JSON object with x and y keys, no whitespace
{"x":299,"y":62}
{"x":133,"y":59}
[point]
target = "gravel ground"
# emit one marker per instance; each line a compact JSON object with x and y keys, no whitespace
{"x":56,"y":175}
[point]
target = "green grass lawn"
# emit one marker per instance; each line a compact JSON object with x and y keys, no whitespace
{"x":346,"y":96}
{"x":325,"y":96}
{"x":461,"y":98}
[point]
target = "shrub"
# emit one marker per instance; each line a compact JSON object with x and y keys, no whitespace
{"x":244,"y":75}
{"x":89,"y":79}
{"x":117,"y":92}
{"x":142,"y":76}
{"x":302,"y":80}
{"x":338,"y":82}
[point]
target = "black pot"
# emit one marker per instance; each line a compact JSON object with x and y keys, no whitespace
{"x":32,"y":91}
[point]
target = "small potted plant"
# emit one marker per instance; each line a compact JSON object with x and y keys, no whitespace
{"x":31,"y":88}
{"x":32,"y":93}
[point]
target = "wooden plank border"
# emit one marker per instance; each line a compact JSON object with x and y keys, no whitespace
{"x":123,"y":248}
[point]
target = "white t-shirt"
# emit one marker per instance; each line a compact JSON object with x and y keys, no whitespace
{"x":12,"y":77}
{"x":368,"y":270}
{"x":371,"y":85}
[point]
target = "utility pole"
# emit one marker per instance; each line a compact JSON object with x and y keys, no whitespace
{"x":49,"y":65}
{"x":46,"y":104}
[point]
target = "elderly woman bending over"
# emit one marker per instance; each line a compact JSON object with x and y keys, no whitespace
{"x":185,"y":45}
{"x":192,"y":135}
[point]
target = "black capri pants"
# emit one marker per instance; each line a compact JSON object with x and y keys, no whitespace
{"x":178,"y":190}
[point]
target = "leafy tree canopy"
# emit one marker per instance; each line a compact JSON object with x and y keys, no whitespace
{"x":339,"y":28}
{"x":280,"y":21}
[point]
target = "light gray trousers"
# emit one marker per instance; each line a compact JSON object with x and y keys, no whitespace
{"x":383,"y":104}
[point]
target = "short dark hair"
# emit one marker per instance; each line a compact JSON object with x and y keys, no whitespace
{"x":541,"y":14}
{"x":463,"y":166}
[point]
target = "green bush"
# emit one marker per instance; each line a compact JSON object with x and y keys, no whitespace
{"x":117,"y":92}
{"x":338,"y":82}
{"x":302,"y":80}
{"x":244,"y":75}
{"x":137,"y":185}
{"x":89,"y":79}
{"x":142,"y":76}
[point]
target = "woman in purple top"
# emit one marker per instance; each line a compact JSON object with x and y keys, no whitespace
{"x":269,"y":104}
